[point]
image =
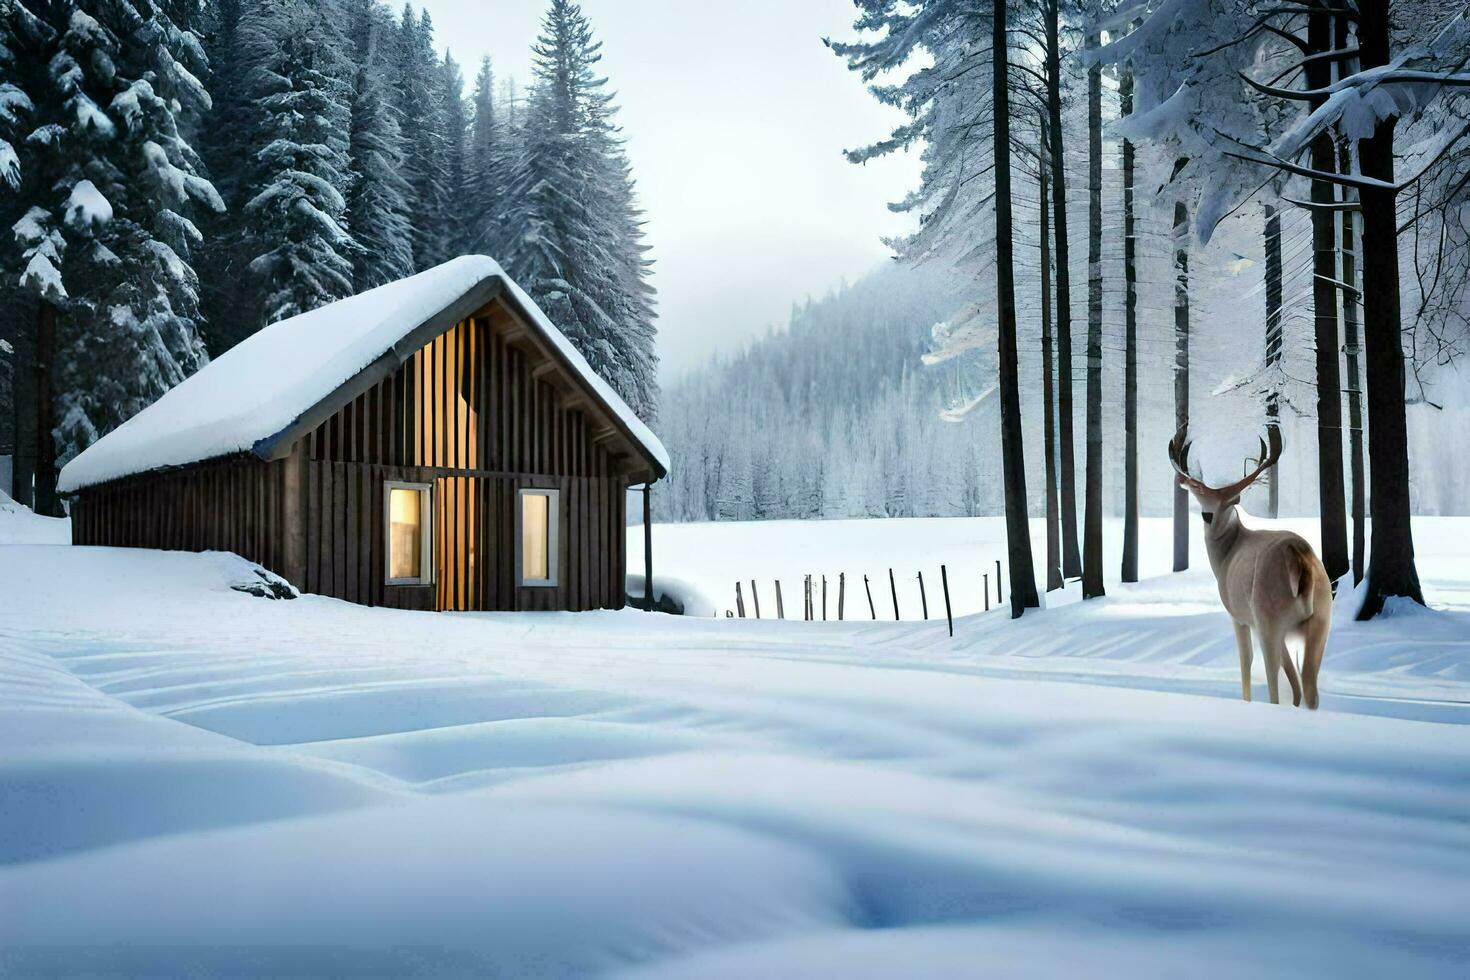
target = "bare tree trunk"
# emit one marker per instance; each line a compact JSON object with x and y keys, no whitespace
{"x":1054,"y":579}
{"x":1273,"y":344}
{"x":46,"y":501}
{"x":1391,"y":570}
{"x":1130,"y":346}
{"x":1181,"y":373}
{"x":1018,"y":531}
{"x":1333,"y":509}
{"x":23,"y":402}
{"x":1071,"y":554}
{"x":1092,"y":558}
{"x":1351,"y":346}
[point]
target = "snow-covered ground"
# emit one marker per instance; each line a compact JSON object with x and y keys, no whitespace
{"x":18,"y":525}
{"x":195,"y":780}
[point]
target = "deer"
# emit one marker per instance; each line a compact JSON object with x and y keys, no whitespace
{"x":1270,"y":581}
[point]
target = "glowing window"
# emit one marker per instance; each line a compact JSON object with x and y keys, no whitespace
{"x":538,"y":537}
{"x":410,"y":520}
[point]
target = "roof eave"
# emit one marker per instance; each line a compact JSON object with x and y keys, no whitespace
{"x":655,"y":470}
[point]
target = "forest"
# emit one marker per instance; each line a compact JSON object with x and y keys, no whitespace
{"x":1214,"y":217}
{"x":1228,"y":216}
{"x":175,"y":176}
{"x":878,"y":432}
{"x":1238,"y":215}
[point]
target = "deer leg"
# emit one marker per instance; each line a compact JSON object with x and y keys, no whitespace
{"x":1243,"y":644}
{"x":1296,"y":687}
{"x":1314,"y":634}
{"x":1272,"y":651}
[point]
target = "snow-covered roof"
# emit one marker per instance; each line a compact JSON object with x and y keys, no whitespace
{"x":246,"y":399}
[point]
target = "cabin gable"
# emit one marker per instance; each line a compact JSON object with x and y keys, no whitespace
{"x":480,"y":413}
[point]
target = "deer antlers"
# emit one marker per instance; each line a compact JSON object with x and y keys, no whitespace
{"x":1179,"y":457}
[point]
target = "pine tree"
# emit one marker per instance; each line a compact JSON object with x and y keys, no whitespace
{"x":229,"y":295}
{"x":453,"y":220}
{"x":297,"y":204}
{"x":1071,"y":554}
{"x":1054,"y":579}
{"x":1129,"y":572}
{"x":1018,"y":532}
{"x":1181,"y":372}
{"x":377,"y":203}
{"x":414,"y":100}
{"x":1317,"y":74}
{"x":110,"y":184}
{"x":1092,"y":559}
{"x":485,"y":165}
{"x":578,"y":246}
{"x":1274,"y":338}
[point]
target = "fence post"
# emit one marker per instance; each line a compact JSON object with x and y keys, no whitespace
{"x":894,"y":589}
{"x":872,"y":610}
{"x":780,"y":609}
{"x":924,"y":599}
{"x":999,"y":597}
{"x":807,"y":608}
{"x":739,"y":601}
{"x":824,"y":598}
{"x":986,"y":577}
{"x":841,"y":593}
{"x":755,"y":598}
{"x":944,"y":581}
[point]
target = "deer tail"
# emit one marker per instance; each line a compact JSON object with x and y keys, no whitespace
{"x":1301,"y":566}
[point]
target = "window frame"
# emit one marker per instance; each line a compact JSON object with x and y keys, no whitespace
{"x":553,"y":538}
{"x":426,"y":530}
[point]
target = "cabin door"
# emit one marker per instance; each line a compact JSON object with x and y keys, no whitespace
{"x":459,"y":544}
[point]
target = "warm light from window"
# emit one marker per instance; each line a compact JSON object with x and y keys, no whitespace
{"x":535,"y":537}
{"x":406,"y":536}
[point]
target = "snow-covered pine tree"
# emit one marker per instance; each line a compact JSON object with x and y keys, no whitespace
{"x":377,"y":202}
{"x":578,"y":243}
{"x":17,"y":26}
{"x":413,"y":98}
{"x":27,"y":98}
{"x":452,"y":225}
{"x":297,"y":203}
{"x":229,"y":295}
{"x":485,"y":165}
{"x":110,"y":184}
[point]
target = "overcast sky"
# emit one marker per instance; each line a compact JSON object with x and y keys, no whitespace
{"x":735,"y":117}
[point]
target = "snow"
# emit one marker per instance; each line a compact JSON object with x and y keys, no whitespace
{"x":690,"y":599}
{"x":31,"y":228}
{"x":86,"y":208}
{"x":199,"y":781}
{"x":263,"y":384}
{"x":9,"y":165}
{"x":19,"y":525}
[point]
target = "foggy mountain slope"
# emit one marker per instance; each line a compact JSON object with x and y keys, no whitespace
{"x":833,"y":416}
{"x":836,"y":415}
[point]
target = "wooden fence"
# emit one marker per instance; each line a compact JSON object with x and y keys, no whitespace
{"x":824,"y":600}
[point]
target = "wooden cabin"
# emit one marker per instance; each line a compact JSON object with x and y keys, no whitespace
{"x":434,"y":444}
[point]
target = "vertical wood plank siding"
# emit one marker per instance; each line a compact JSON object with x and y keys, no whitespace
{"x":469,"y":415}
